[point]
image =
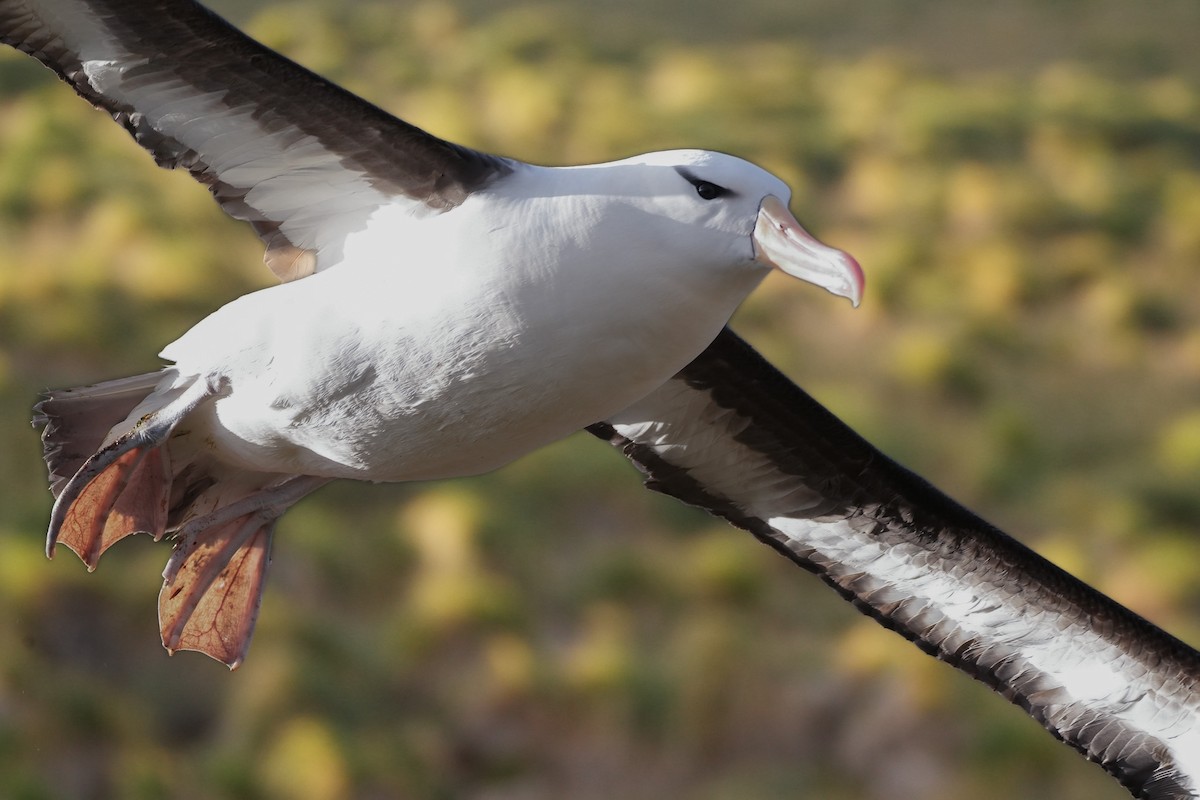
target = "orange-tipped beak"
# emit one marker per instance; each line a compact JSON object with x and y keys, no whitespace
{"x":780,"y":242}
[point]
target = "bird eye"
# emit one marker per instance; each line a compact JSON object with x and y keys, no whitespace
{"x":706,"y":189}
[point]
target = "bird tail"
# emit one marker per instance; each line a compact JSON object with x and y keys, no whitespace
{"x":76,"y":423}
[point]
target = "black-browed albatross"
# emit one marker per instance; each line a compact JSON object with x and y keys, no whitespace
{"x":447,"y":303}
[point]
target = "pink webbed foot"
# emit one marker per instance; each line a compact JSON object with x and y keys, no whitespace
{"x":125,"y":487}
{"x":128,"y":496}
{"x":213,"y":586}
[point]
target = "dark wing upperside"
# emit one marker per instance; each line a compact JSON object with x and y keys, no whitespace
{"x":303,"y":160}
{"x":732,"y":435}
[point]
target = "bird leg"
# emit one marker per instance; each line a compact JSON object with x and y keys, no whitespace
{"x":125,"y":487}
{"x":212,"y":586}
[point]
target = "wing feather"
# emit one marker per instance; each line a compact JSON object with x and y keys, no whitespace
{"x":732,"y":435}
{"x":301,"y":159}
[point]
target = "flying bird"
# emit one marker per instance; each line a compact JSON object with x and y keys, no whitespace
{"x":444,"y":311}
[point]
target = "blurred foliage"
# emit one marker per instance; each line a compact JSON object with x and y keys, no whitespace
{"x":1030,"y":342}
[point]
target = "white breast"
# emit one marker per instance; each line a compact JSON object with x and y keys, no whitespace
{"x":454,"y":344}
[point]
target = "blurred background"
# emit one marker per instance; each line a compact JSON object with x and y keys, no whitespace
{"x":1021,"y":182}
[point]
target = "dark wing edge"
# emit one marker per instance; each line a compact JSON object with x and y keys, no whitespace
{"x":730,"y":434}
{"x":286,"y":150}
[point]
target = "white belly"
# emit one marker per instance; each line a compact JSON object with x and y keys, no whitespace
{"x":461,"y":404}
{"x":457,"y":360}
{"x":415,"y":373}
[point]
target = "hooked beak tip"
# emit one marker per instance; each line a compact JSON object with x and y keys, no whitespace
{"x":858,"y":280}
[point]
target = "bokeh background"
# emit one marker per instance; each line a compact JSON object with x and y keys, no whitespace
{"x":1020,"y":180}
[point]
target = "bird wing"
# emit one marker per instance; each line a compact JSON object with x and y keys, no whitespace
{"x":301,"y":159}
{"x":732,"y":435}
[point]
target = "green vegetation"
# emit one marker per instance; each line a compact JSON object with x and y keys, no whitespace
{"x":1030,"y":341}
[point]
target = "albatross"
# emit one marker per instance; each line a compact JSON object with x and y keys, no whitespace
{"x":443,"y":311}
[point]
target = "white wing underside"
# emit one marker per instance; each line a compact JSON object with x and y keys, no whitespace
{"x":302,"y":160}
{"x":733,"y":436}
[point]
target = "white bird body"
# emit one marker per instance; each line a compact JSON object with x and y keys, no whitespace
{"x":466,"y":348}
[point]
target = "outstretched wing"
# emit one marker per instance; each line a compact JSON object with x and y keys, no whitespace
{"x":732,"y":435}
{"x":301,"y":159}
